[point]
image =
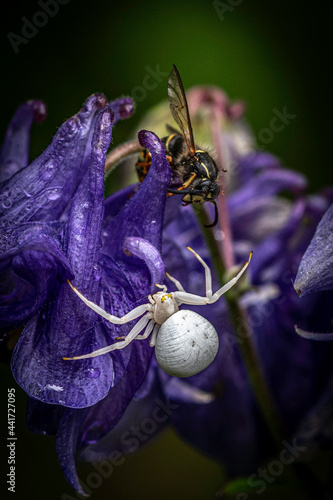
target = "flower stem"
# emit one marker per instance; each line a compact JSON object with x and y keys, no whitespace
{"x":120,"y":153}
{"x":257,"y":379}
{"x":244,"y":339}
{"x":224,"y":221}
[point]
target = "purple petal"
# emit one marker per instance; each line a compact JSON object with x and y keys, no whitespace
{"x":315,"y":272}
{"x":107,"y":413}
{"x":42,"y":190}
{"x":149,"y":254}
{"x":259,"y":218}
{"x":114,"y":203}
{"x":123,"y":108}
{"x":313,"y":335}
{"x":66,"y":444}
{"x":180,"y":390}
{"x":15,"y":149}
{"x":268,"y":183}
{"x":83,"y":230}
{"x":31,"y":261}
{"x":151,"y":406}
{"x":275,"y":248}
{"x":143,"y":214}
{"x":85,"y":431}
{"x":67,"y":327}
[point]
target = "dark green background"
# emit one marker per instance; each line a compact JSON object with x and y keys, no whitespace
{"x":270,"y":54}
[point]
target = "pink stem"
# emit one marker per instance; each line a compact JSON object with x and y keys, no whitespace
{"x":120,"y":153}
{"x":226,"y":245}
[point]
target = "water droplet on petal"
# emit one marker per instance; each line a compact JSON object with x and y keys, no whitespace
{"x":93,"y":372}
{"x":53,"y":194}
{"x":26,"y":193}
{"x":5,"y":198}
{"x":46,"y":171}
{"x":7,"y":203}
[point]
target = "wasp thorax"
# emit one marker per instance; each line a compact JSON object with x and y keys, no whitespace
{"x":186,"y":344}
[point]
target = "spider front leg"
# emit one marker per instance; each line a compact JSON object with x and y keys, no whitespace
{"x":191,"y":299}
{"x":230,"y":283}
{"x":208,"y":274}
{"x":179,"y":286}
{"x":135,"y":313}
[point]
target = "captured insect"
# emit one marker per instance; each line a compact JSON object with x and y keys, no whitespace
{"x":185,"y":342}
{"x":195,"y":168}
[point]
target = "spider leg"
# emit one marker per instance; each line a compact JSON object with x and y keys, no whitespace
{"x":137,"y":328}
{"x":154,"y":335}
{"x":230,"y":283}
{"x":189,"y":298}
{"x":176,"y":282}
{"x":135,"y":313}
{"x":208,"y":274}
{"x":147,"y":332}
{"x":164,"y":288}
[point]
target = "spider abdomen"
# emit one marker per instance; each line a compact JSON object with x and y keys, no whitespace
{"x":186,"y":344}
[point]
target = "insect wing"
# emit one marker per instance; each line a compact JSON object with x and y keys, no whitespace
{"x":179,"y":108}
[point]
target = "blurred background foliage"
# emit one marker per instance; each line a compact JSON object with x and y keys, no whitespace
{"x":270,"y":54}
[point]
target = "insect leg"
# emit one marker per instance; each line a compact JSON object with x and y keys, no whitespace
{"x":216,"y":215}
{"x":137,"y":328}
{"x":185,"y":185}
{"x":135,"y":313}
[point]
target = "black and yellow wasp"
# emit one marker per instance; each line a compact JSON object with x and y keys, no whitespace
{"x":194,"y":168}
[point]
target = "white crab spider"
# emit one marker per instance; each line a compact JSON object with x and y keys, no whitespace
{"x":185,"y":342}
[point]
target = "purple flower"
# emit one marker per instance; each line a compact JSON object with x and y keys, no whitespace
{"x":315,"y":272}
{"x":216,"y":410}
{"x":15,"y":150}
{"x":114,"y":251}
{"x":38,"y":256}
{"x":33,"y":200}
{"x":315,"y":279}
